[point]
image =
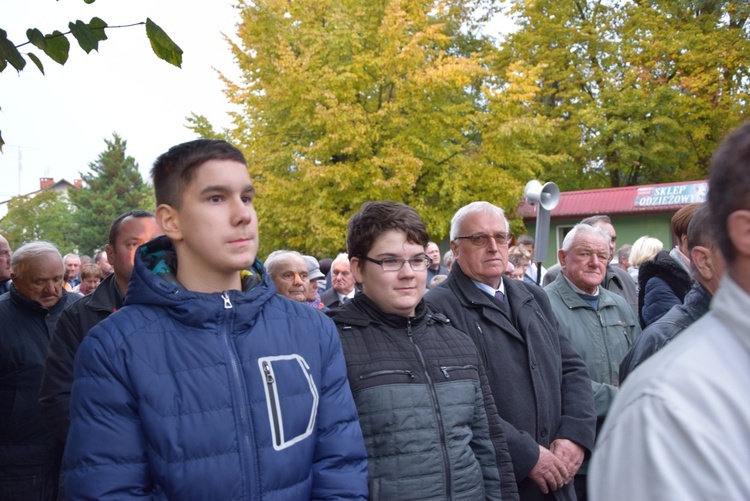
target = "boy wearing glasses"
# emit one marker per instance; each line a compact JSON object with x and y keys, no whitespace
{"x":539,"y":382}
{"x":430,"y":424}
{"x":207,"y":384}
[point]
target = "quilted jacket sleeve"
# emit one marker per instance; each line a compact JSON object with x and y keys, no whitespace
{"x":340,"y":462}
{"x":106,"y":452}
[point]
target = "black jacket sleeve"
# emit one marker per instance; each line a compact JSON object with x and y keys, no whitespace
{"x":54,"y":396}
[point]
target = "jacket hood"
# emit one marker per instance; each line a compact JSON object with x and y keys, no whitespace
{"x":154,"y":283}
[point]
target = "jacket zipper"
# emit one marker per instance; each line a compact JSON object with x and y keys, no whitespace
{"x":271,"y":383}
{"x":446,"y":369}
{"x":438,"y":414}
{"x":240,"y":396}
{"x":606,"y":349}
{"x":369,"y":375}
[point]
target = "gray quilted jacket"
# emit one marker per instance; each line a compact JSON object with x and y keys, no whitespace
{"x":430,"y":424}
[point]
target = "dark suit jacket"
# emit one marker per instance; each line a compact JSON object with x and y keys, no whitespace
{"x":330,"y":298}
{"x":540,"y":383}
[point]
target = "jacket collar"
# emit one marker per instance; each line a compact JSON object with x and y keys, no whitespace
{"x":470,"y":294}
{"x":153,"y":283}
{"x":27,"y":304}
{"x":571,"y":299}
{"x":106,"y":297}
{"x":362,"y":311}
{"x":731,"y":304}
{"x":516,"y":294}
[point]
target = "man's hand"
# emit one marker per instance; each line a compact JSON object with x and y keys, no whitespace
{"x":570,"y":453}
{"x":549,"y":472}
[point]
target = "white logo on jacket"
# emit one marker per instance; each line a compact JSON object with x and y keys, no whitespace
{"x":280,"y":376}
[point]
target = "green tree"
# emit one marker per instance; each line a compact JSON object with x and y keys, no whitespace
{"x":113,"y":186}
{"x":344,"y":101}
{"x":642,"y":91}
{"x":41,"y":216}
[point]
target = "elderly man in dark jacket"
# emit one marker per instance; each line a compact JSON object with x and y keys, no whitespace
{"x":539,"y":382}
{"x":29,"y":455}
{"x":127,"y":232}
{"x":707,"y":266}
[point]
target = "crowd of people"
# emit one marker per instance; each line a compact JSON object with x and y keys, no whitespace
{"x":176,"y":364}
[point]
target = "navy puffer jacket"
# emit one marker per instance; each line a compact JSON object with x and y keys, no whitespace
{"x":234,"y":395}
{"x":662,"y":284}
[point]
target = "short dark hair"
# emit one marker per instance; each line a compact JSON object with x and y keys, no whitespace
{"x":729,"y":185}
{"x":525,"y":240}
{"x":174,"y":170}
{"x":114,"y":228}
{"x":375,"y":218}
{"x":699,"y":231}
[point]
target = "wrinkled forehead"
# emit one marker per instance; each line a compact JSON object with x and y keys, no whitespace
{"x":591,"y":240}
{"x":292,"y":263}
{"x":340,"y":266}
{"x":482,"y":222}
{"x":46,"y":265}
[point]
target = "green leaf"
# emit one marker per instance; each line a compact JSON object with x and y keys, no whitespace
{"x":9,"y":53}
{"x":36,"y":61}
{"x":97,"y":26}
{"x":162,"y":45}
{"x":36,"y":37}
{"x":58,"y":47}
{"x":88,"y":38}
{"x":89,"y":2}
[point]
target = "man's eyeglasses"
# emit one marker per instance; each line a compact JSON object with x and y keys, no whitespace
{"x":483,"y":239}
{"x":417,"y":263}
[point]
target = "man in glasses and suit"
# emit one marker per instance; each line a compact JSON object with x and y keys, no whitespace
{"x":540,"y":384}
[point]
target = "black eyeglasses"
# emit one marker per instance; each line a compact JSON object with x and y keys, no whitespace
{"x":417,"y":263}
{"x":483,"y":239}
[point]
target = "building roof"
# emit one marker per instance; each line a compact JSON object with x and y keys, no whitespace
{"x":628,"y":200}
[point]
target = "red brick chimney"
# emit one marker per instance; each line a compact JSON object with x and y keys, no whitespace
{"x":78,"y":183}
{"x":45,"y":182}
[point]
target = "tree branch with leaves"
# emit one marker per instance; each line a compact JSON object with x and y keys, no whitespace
{"x":56,"y":45}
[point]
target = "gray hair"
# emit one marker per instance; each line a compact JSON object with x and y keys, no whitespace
{"x":66,"y":256}
{"x":580,"y":229}
{"x":277,"y":257}
{"x":343,"y":257}
{"x":474,"y":208}
{"x":448,"y":258}
{"x":33,"y":250}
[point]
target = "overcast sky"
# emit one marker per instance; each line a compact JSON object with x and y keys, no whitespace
{"x":54,"y":125}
